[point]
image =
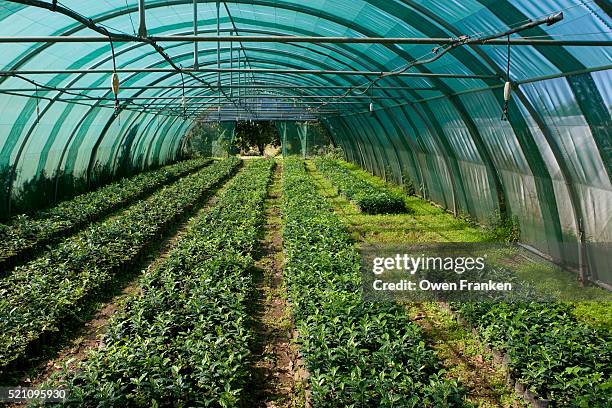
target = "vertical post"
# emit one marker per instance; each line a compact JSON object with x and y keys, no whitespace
{"x":231,"y":65}
{"x":196,"y":65}
{"x":305,"y":140}
{"x":219,"y":56}
{"x":218,"y":45}
{"x":581,"y":253}
{"x":142,"y":28}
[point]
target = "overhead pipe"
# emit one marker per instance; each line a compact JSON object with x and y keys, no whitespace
{"x":243,"y":70}
{"x":260,"y":96}
{"x":309,"y":39}
{"x":196,"y":65}
{"x":118,"y":37}
{"x":464,"y":40}
{"x":133,"y":87}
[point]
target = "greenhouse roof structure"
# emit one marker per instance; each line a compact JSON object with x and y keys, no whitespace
{"x":306,"y":203}
{"x":488,"y":106}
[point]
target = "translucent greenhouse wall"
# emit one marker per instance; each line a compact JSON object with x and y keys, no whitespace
{"x":56,"y":150}
{"x":548,"y":165}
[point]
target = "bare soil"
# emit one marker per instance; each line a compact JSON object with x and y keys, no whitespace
{"x":278,"y":381}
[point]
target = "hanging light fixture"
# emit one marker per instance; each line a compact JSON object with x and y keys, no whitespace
{"x":507,"y":88}
{"x":371,"y":107}
{"x":114,"y":76}
{"x":507,"y":94}
{"x":183,"y":100}
{"x":115,"y":83}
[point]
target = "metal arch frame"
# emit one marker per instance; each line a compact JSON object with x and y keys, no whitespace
{"x":277,"y":51}
{"x":101,"y":136}
{"x":352,"y":24}
{"x":159,"y":79}
{"x":143,"y":136}
{"x":572,"y":192}
{"x":362,"y":30}
{"x":182,"y":2}
{"x":300,"y":9}
{"x":421,"y":170}
{"x":98,"y":63}
{"x":256,"y":85}
{"x":348,"y":56}
{"x":372,"y":144}
{"x":289,"y":95}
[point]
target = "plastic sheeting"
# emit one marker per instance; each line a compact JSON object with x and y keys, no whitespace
{"x":551,"y":174}
{"x":550,"y":165}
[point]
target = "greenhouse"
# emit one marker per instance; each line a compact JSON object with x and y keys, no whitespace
{"x":286,"y":204}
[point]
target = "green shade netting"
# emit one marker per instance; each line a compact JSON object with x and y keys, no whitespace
{"x":549,"y":165}
{"x":302,"y":138}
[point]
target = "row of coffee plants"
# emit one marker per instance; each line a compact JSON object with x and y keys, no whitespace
{"x":370,"y":199}
{"x":548,"y":350}
{"x":26,"y":232}
{"x":38,"y":296}
{"x":359,"y":353}
{"x":184,"y":340}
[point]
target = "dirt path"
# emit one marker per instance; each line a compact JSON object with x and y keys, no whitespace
{"x":457,"y":349}
{"x":75,"y":346}
{"x":276,"y":380}
{"x":464,"y":357}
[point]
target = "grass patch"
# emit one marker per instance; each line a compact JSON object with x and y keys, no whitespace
{"x":464,"y":357}
{"x":429,"y":223}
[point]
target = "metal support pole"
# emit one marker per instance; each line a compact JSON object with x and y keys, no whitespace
{"x":244,"y":70}
{"x":266,"y":85}
{"x":218,"y":43}
{"x":232,"y":67}
{"x":312,"y":40}
{"x":364,"y":99}
{"x":219,"y":49}
{"x":142,"y":27}
{"x":196,"y":65}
